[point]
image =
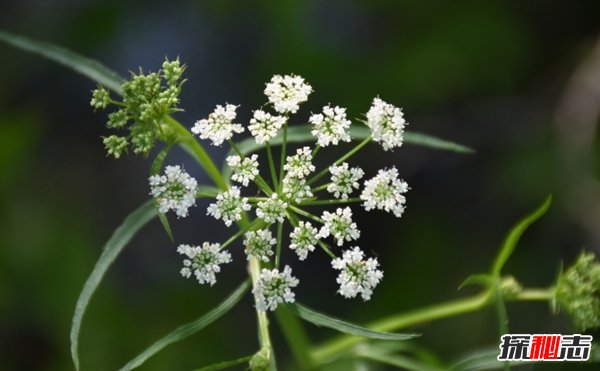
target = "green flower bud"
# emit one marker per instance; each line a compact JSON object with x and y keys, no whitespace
{"x":117,"y":119}
{"x":578,"y":292}
{"x":115,"y":145}
{"x":510,"y":287}
{"x":100,"y":98}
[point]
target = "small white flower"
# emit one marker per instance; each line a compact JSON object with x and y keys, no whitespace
{"x":344,"y":180}
{"x":331,"y":126}
{"x":272,"y":209}
{"x":299,"y":165}
{"x":295,"y":189}
{"x":203,"y":261}
{"x":303,"y":239}
{"x":357,"y":276}
{"x":287,"y":92}
{"x":229,"y":206}
{"x":387,"y":124}
{"x":264,"y":126}
{"x":244,"y":171}
{"x":219,"y":126}
{"x":258,"y":244}
{"x":274,"y":288}
{"x":175,"y":190}
{"x":339,"y":225}
{"x":385,"y":192}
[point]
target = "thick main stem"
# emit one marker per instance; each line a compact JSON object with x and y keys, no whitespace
{"x":263,"y":321}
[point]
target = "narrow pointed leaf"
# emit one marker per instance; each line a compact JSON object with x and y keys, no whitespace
{"x":485,"y":359}
{"x":302,"y":134}
{"x":122,"y":235}
{"x":189,"y":329}
{"x":477,"y":279}
{"x":85,"y":66}
{"x":515,"y":234}
{"x":323,"y":320}
{"x":225,"y":364}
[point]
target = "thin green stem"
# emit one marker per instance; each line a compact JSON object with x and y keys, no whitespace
{"x":306,"y":214}
{"x":327,"y":249}
{"x":315,"y":151}
{"x":348,"y":154}
{"x":239,"y":233}
{"x":395,"y":322}
{"x":321,"y":187}
{"x":279,"y":240}
{"x":192,"y":146}
{"x":272,"y":165}
{"x":283,"y":153}
{"x":205,"y":195}
{"x":340,"y":201}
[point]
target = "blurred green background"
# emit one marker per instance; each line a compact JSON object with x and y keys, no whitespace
{"x":517,"y":81}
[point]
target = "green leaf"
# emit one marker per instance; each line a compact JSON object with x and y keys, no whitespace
{"x":323,"y":320}
{"x":225,"y":364}
{"x":302,"y":134}
{"x":166,"y":226}
{"x":484,"y":280}
{"x":122,"y":235}
{"x":157,"y":164}
{"x":485,"y":359}
{"x":189,"y":329}
{"x":85,"y":66}
{"x":515,"y":234}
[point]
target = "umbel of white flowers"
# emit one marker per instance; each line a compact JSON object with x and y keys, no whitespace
{"x":290,"y":194}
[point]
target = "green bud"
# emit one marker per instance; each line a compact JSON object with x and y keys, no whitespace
{"x":142,"y":143}
{"x":100,"y":98}
{"x":115,"y":145}
{"x":117,"y":119}
{"x":172,"y":71}
{"x":578,"y":292}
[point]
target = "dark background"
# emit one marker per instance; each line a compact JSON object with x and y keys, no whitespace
{"x":517,"y":81}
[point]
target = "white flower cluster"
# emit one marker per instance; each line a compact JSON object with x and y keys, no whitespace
{"x":386,"y":123}
{"x":339,"y":225}
{"x":175,"y":190}
{"x":204,"y":262}
{"x":272,"y":209}
{"x":219,"y":126}
{"x":357,"y":276}
{"x":385,"y":192}
{"x":290,"y":193}
{"x":264,"y":126}
{"x":258,"y":244}
{"x":244,"y":171}
{"x":287,"y":92}
{"x":304,"y":238}
{"x":295,"y":189}
{"x":331,"y":126}
{"x":344,"y":180}
{"x":274,"y":288}
{"x":229,"y":206}
{"x":299,"y":165}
